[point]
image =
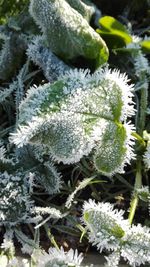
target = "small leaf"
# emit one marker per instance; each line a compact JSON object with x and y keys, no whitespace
{"x":113,"y":32}
{"x":104,"y":224}
{"x":111,"y":151}
{"x":145,"y":46}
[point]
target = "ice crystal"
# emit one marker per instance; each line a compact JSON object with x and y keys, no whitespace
{"x":51,"y":211}
{"x":57,"y":258}
{"x":105,"y":225}
{"x":113,"y":259}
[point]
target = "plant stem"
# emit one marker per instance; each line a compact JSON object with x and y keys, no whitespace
{"x":135,"y":199}
{"x":143,"y":108}
{"x":50,"y":236}
{"x":139,"y":137}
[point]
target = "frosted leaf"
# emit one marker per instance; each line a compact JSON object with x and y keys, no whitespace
{"x":75,"y":115}
{"x":15,"y":200}
{"x":141,"y":64}
{"x":49,"y":177}
{"x":106,"y":225}
{"x":74,"y":36}
{"x":136,"y":247}
{"x":7,"y":244}
{"x":85,"y":8}
{"x":56,"y":257}
{"x":11,"y":55}
{"x":143,"y":193}
{"x":81,"y":186}
{"x":6,"y":92}
{"x":42,"y":56}
{"x":65,"y":137}
{"x":56,"y":214}
{"x":3,"y":155}
{"x":115,"y":149}
{"x":28,"y":245}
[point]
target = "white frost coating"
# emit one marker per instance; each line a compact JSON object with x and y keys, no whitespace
{"x":15,"y":200}
{"x":85,"y":9}
{"x":141,"y":65}
{"x":137,"y":243}
{"x":51,"y":65}
{"x":71,"y":116}
{"x":108,"y":230}
{"x":113,"y":259}
{"x":103,"y":223}
{"x":112,"y":155}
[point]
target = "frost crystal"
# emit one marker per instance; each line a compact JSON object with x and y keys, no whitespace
{"x":113,"y":259}
{"x":57,"y":258}
{"x":107,"y":229}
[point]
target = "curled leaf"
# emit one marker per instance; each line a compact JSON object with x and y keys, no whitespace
{"x":67,"y":33}
{"x":113,"y":32}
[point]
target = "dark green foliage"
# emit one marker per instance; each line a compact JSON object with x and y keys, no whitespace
{"x":113,"y":32}
{"x":11,"y":8}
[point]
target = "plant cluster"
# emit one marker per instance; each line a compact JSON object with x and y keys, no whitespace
{"x":73,"y":116}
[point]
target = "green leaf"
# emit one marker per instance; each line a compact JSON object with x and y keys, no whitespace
{"x":113,"y":32}
{"x":67,"y":33}
{"x":145,"y":46}
{"x":111,"y":151}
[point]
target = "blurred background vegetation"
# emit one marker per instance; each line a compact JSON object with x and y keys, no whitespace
{"x":10,"y":8}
